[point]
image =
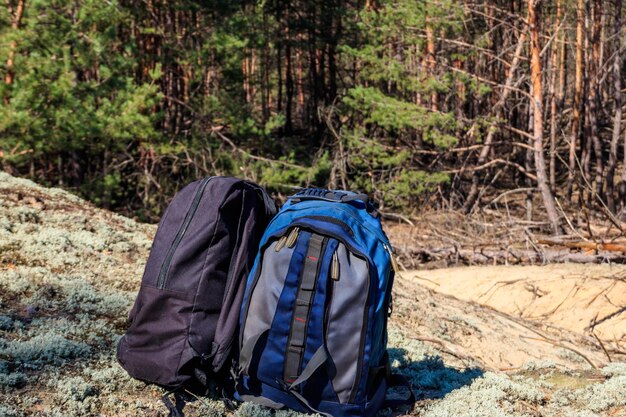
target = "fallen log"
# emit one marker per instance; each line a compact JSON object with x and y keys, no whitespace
{"x":454,"y":255}
{"x":592,"y":246}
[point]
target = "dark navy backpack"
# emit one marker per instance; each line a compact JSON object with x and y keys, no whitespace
{"x":184,"y":323}
{"x":313,"y":331}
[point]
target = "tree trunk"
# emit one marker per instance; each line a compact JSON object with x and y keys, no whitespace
{"x":300,"y":84}
{"x":578,"y":89}
{"x":553,"y":97}
{"x":288,"y":83}
{"x":279,"y":71}
{"x":585,"y":192}
{"x":265,"y":69}
{"x":593,"y":95}
{"x":617,"y":118}
{"x":537,"y":95}
{"x":431,"y":61}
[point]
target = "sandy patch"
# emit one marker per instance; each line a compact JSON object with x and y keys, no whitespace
{"x":581,"y":298}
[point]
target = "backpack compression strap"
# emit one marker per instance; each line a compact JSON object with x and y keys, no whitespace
{"x":320,"y":358}
{"x":302,"y":310}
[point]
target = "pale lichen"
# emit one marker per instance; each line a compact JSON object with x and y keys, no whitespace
{"x":44,"y":348}
{"x":69,"y":274}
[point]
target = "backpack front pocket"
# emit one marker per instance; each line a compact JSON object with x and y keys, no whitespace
{"x":265,"y":294}
{"x":151,"y":349}
{"x":347,"y":322}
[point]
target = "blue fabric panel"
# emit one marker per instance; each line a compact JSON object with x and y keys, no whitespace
{"x":374,"y":403}
{"x":315,"y":333}
{"x":271,"y":363}
{"x":335,"y":409}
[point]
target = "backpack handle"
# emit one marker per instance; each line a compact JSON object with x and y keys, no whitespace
{"x":336,"y":196}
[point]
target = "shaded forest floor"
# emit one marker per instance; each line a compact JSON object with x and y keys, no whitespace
{"x":69,"y":273}
{"x":505,"y":235}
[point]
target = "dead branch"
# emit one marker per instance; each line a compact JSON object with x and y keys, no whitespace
{"x":560,"y":344}
{"x":482,"y":256}
{"x":606,"y":352}
{"x":395,"y":216}
{"x":445,"y":348}
{"x":593,"y":246}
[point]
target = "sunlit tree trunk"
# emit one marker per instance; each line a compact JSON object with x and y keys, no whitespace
{"x":537,"y":95}
{"x":431,"y":61}
{"x":617,"y":118}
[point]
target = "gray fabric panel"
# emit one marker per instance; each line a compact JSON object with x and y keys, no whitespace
{"x":247,"y":350}
{"x":297,"y":332}
{"x":343,"y":338}
{"x":265,"y":295}
{"x":318,"y":359}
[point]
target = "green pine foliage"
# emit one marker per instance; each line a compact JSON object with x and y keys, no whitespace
{"x":74,"y":95}
{"x":125,"y":101}
{"x":390,"y":101}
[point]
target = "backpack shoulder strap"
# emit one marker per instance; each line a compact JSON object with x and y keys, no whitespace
{"x":268,"y":202}
{"x":397,"y":380}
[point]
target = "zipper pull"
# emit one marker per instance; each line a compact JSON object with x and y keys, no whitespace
{"x":394,"y":263}
{"x":293,"y":236}
{"x":334,"y":267}
{"x":280,"y":244}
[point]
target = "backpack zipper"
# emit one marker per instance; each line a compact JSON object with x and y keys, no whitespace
{"x":281,"y":242}
{"x":392,"y":258}
{"x":334,"y":266}
{"x":379,"y":234}
{"x":334,"y":275}
{"x":293,"y":237}
{"x":288,"y":240}
{"x":163,"y":274}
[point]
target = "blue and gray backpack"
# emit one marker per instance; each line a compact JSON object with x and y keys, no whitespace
{"x":313,"y":327}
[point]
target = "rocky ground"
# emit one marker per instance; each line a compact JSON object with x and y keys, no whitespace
{"x":69,"y":273}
